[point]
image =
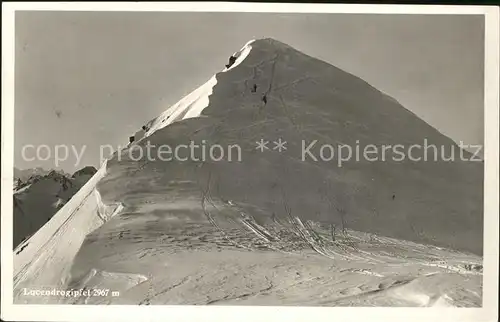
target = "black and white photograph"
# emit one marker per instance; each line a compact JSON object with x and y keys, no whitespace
{"x":250,"y":157}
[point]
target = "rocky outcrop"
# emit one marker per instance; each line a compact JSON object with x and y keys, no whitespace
{"x":89,"y":170}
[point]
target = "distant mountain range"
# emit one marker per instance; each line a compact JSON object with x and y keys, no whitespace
{"x":39,"y":194}
{"x":25,"y":174}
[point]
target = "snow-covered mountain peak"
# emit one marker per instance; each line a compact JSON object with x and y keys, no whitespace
{"x":142,"y":227}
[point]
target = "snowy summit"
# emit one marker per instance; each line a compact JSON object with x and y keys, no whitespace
{"x":272,"y":228}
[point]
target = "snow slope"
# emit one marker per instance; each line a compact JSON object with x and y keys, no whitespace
{"x":46,"y":257}
{"x":170,"y":264}
{"x":269,"y":230}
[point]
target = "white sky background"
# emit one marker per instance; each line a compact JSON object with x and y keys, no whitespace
{"x":94,"y":78}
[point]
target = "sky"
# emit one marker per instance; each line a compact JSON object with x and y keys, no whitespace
{"x":87,"y":79}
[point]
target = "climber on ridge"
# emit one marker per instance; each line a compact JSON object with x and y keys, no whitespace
{"x":232,"y":59}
